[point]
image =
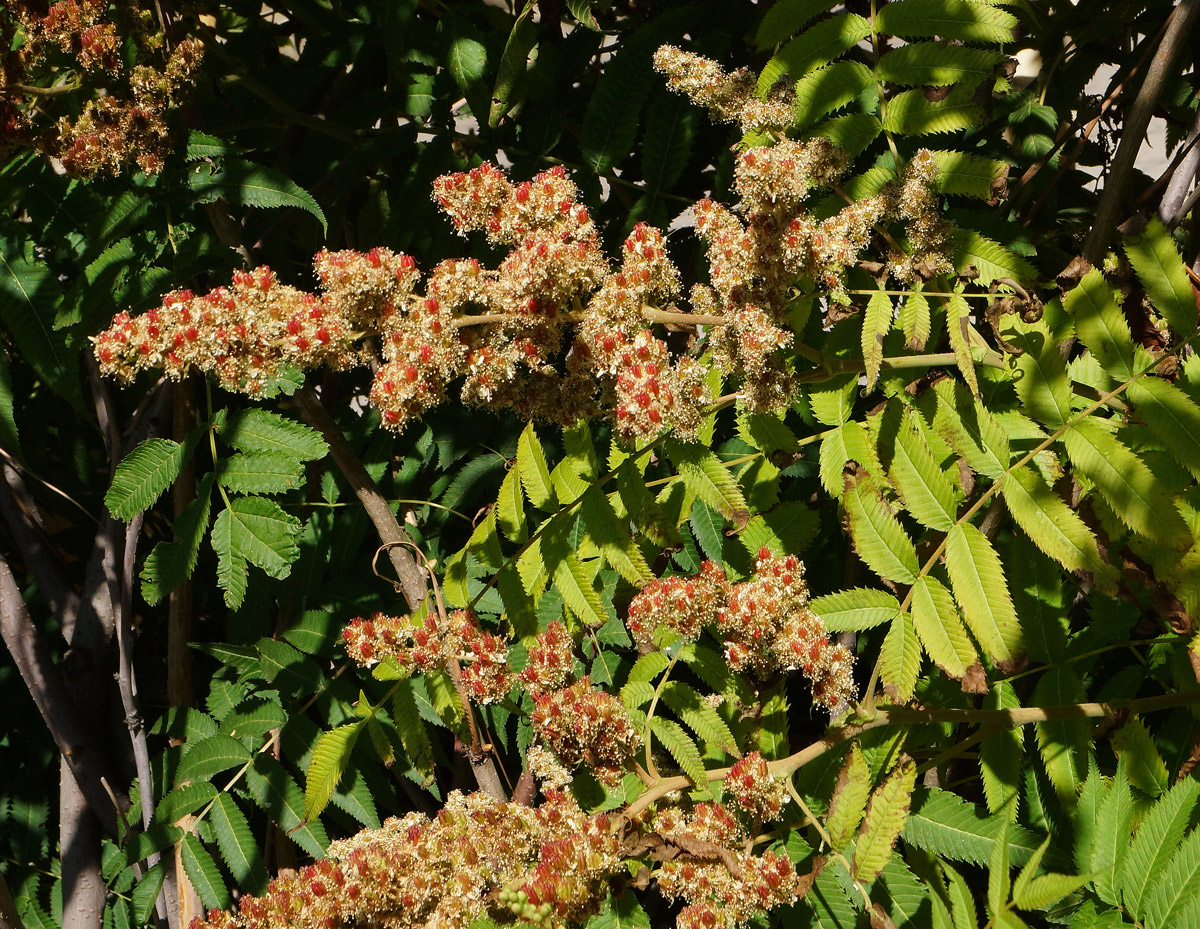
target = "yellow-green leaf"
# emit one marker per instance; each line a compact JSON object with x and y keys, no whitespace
{"x":940,"y":628}
{"x":849,"y":801}
{"x":535,"y":475}
{"x":977,"y":578}
{"x":900,"y":659}
{"x":879,"y":539}
{"x":885,"y":818}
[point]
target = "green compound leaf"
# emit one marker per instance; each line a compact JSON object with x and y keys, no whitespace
{"x":1172,"y":416}
{"x":573,"y":581}
{"x":143,"y":475}
{"x":1144,"y":765}
{"x":681,"y":747}
{"x":237,"y":845}
{"x":925,"y":489}
{"x":1001,"y":757}
{"x":698,"y":716}
{"x":849,"y":802}
{"x":275,"y":791}
{"x":183,"y":800}
{"x":940,"y":628}
{"x":1038,"y":892}
{"x":172,"y":563}
{"x":1041,"y":380}
{"x":1062,"y":743}
{"x":1113,"y":828}
{"x":1154,"y":257}
{"x":510,"y":507}
{"x":817,"y":46}
{"x":1053,"y":526}
{"x":855,"y":609}
{"x":260,"y":473}
{"x":785,"y":18}
{"x":535,"y":475}
{"x":991,"y":259}
{"x":934,"y":64}
{"x":1155,"y":843}
{"x":947,"y":19}
{"x":1101,"y":325}
{"x":263,"y":431}
{"x":829,"y":89}
{"x":877,"y":321}
{"x":203,"y":872}
{"x":968,"y":175}
{"x":411,"y":728}
{"x":253,"y":530}
{"x":330,"y":759}
{"x":1126,"y":483}
{"x":900,"y":659}
{"x":885,"y":818}
{"x":251,"y":184}
{"x":879,"y":539}
{"x":210,"y":757}
{"x":915,"y":321}
{"x":911,"y":113}
{"x":708,"y":479}
{"x":1170,"y":902}
{"x":767,"y":432}
{"x":613,"y":538}
{"x":946,"y":825}
{"x":852,"y":131}
{"x":977,"y":579}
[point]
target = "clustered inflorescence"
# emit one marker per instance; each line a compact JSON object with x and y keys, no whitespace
{"x":555,"y":332}
{"x":728,"y":885}
{"x":542,"y":866}
{"x":765,"y":623}
{"x":84,"y":44}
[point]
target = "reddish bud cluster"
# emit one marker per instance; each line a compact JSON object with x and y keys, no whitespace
{"x":765,"y":622}
{"x":685,"y":605}
{"x":126,"y":120}
{"x":728,"y":885}
{"x":551,"y":660}
{"x":431,"y":645}
{"x":752,"y":789}
{"x":768,"y":626}
{"x":582,"y":724}
{"x":445,"y":872}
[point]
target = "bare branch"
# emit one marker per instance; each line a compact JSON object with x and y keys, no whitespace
{"x":53,"y":700}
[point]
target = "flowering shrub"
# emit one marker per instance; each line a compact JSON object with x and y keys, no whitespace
{"x":794,"y":513}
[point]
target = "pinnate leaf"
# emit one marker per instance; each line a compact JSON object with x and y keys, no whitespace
{"x":330,"y":758}
{"x":940,"y":628}
{"x":947,"y":19}
{"x":1155,"y":843}
{"x":681,"y":747}
{"x":1126,"y":483}
{"x":172,"y":563}
{"x":849,"y":801}
{"x":1156,"y":260}
{"x":143,"y":475}
{"x":885,"y":818}
{"x":203,"y":872}
{"x":977,"y":578}
{"x":879,"y":538}
{"x":237,"y":845}
{"x":264,"y":431}
{"x":855,"y":609}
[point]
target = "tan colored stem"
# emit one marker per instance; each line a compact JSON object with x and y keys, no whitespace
{"x":996,"y":719}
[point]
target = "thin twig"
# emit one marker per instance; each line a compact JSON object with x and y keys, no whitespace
{"x":1116,"y":184}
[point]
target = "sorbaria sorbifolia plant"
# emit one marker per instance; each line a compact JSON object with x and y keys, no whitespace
{"x":813,"y":553}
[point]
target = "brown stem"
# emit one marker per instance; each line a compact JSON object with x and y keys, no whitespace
{"x":1134,"y":131}
{"x":997,"y":719}
{"x":396,"y":542}
{"x":181,"y":608}
{"x":379,"y":511}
